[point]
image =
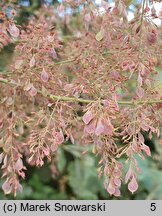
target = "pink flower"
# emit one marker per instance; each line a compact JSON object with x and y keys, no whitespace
{"x":18,"y":64}
{"x":111,"y":189}
{"x":108,"y":128}
{"x":88,"y":116}
{"x":151,"y":38}
{"x":87,"y":17}
{"x":19,"y":164}
{"x":58,"y":137}
{"x":14,"y":31}
{"x":133,"y":185}
{"x":60,"y":8}
{"x":117,"y":182}
{"x":117,"y":192}
{"x":146,"y":149}
{"x":32,"y":62}
{"x":6,"y":187}
{"x":44,"y":76}
{"x":54,"y":147}
{"x":90,"y":128}
{"x":100,"y":128}
{"x":33,"y":91}
{"x":140,"y":92}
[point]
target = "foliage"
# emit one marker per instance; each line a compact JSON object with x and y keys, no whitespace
{"x":40,"y":184}
{"x":86,"y":78}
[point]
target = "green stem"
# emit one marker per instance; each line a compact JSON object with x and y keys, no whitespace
{"x":87,"y":101}
{"x":143,"y":7}
{"x":72,"y":99}
{"x":142,"y":16}
{"x":65,"y":61}
{"x":3,"y":80}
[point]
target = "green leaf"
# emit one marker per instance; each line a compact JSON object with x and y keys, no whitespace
{"x":156,"y":193}
{"x":150,"y":177}
{"x":83,"y":178}
{"x":61,"y":160}
{"x":76,"y":150}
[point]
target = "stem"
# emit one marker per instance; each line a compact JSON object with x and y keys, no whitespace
{"x":142,"y":15}
{"x":3,"y":80}
{"x":143,"y":5}
{"x":69,"y":99}
{"x":72,"y":99}
{"x":87,"y":101}
{"x":64,"y":62}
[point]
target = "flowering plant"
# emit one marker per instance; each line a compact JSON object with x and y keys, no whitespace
{"x":75,"y":85}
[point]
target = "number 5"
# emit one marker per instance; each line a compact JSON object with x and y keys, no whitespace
{"x":153,"y":207}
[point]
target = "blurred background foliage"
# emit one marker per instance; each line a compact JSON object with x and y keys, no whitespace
{"x":76,"y":176}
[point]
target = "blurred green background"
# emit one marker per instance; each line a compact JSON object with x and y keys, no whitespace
{"x":76,"y":175}
{"x":77,"y":178}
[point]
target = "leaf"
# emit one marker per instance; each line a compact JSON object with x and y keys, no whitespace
{"x":156,"y":193}
{"x":83,"y":178}
{"x":61,"y":163}
{"x":73,"y":149}
{"x":99,"y":35}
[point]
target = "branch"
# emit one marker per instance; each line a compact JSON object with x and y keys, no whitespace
{"x":143,"y":7}
{"x":86,"y":101}
{"x":142,"y":16}
{"x":65,"y":61}
{"x":72,"y":99}
{"x":4,"y":81}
